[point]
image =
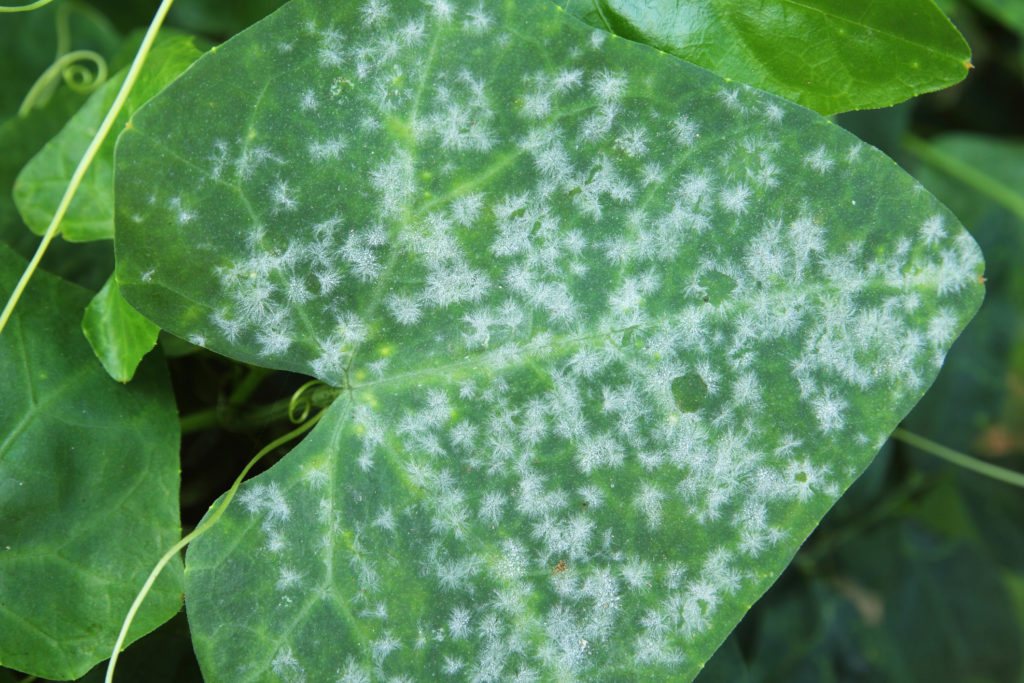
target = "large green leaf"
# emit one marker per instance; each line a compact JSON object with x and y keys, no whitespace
{"x":828,"y":55}
{"x":42,"y":182}
{"x":614,"y":335}
{"x":88,"y":487}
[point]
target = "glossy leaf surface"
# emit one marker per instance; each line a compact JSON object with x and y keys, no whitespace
{"x":41,"y":183}
{"x":88,"y":487}
{"x":614,"y":335}
{"x":119,"y":335}
{"x":828,"y":55}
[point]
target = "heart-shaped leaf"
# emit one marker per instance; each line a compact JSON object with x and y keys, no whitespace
{"x":613,"y":335}
{"x":88,"y":487}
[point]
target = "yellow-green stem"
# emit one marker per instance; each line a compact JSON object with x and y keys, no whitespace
{"x":979,"y":179}
{"x":90,"y":154}
{"x":198,"y":531}
{"x":957,"y":458}
{"x":25,"y":8}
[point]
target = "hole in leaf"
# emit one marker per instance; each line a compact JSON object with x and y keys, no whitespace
{"x":689,"y":392}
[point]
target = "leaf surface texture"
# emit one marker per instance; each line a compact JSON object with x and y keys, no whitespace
{"x":88,"y":487}
{"x":614,"y":334}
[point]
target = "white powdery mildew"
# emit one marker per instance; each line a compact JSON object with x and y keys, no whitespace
{"x":634,"y":325}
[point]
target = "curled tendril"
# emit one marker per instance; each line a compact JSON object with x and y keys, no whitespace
{"x":78,"y":77}
{"x":302,"y":400}
{"x":4,"y":9}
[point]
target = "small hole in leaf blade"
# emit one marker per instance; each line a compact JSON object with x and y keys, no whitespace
{"x":689,"y":392}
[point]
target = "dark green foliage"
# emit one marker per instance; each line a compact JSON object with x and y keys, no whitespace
{"x":356,"y":536}
{"x":88,"y":487}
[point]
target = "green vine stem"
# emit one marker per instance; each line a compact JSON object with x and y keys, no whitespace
{"x":970,"y":175}
{"x":229,"y":417}
{"x":967,"y":462}
{"x":4,"y":9}
{"x":90,"y":154}
{"x":254,"y":376}
{"x":78,"y":78}
{"x":200,"y":530}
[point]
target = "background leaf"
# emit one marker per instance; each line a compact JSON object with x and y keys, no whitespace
{"x":508,"y":251}
{"x":163,"y":656}
{"x":1009,"y":12}
{"x":36,"y":34}
{"x":88,"y":487}
{"x":222,"y":18}
{"x":20,"y":139}
{"x":119,"y":335}
{"x":975,"y":394}
{"x":828,"y":55}
{"x":42,"y":182}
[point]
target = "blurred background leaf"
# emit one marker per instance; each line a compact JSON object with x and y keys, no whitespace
{"x":38,"y":34}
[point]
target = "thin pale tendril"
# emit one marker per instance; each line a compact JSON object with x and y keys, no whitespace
{"x":76,"y":75}
{"x":199,"y":531}
{"x":302,"y":402}
{"x":5,"y":9}
{"x":90,"y":154}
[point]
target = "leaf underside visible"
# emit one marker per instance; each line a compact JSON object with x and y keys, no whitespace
{"x":614,"y":335}
{"x":88,"y":487}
